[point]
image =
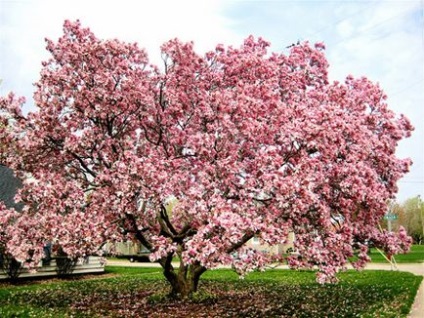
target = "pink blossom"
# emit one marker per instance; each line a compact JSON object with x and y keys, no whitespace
{"x":195,"y":160}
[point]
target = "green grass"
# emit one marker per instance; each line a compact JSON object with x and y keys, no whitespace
{"x":124,"y":291}
{"x":415,"y":255}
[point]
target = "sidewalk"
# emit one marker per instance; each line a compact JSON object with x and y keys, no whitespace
{"x":417,"y":310}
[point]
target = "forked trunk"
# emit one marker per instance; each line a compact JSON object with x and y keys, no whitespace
{"x":183,"y":287}
{"x":185,"y":280}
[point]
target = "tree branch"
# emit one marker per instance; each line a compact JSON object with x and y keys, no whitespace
{"x":166,"y":226}
{"x":138,"y":233}
{"x":246,"y":237}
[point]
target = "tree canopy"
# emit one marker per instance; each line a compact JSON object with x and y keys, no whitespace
{"x":246,"y":143}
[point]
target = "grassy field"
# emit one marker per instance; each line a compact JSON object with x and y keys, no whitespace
{"x":415,"y":255}
{"x":140,"y":292}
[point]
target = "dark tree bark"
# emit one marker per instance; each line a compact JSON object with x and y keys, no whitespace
{"x":184,"y":280}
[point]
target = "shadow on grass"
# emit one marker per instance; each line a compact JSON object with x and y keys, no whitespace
{"x":140,"y":292}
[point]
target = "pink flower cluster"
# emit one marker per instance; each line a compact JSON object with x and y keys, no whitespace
{"x":241,"y":143}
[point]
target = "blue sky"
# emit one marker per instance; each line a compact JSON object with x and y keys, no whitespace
{"x":383,"y":40}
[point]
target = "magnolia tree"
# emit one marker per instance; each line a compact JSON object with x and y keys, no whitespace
{"x":244,"y":143}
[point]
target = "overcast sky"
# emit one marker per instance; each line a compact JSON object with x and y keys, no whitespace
{"x":383,"y":40}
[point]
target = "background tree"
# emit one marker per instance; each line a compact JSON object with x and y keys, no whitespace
{"x":245,"y":143}
{"x":414,"y":209}
{"x":410,"y":216}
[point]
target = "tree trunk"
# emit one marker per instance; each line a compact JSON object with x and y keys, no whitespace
{"x":185,"y":280}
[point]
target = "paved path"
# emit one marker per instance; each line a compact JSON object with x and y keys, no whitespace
{"x":417,"y":310}
{"x":415,"y":268}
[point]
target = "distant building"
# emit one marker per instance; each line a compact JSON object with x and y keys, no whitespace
{"x":9,"y":186}
{"x":278,"y":249}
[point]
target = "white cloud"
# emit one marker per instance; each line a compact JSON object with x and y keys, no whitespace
{"x":25,"y":24}
{"x":345,"y":29}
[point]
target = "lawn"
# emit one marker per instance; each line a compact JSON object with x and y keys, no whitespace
{"x":140,"y":292}
{"x":415,"y":255}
